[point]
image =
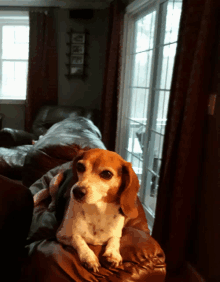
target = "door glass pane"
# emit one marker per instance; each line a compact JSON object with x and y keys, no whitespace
{"x":139,"y":101}
{"x":139,"y":88}
{"x":162,"y":110}
{"x":169,"y":52}
{"x":133,"y":144}
{"x":142,"y":67}
{"x":174,"y":8}
{"x":144,"y":30}
{"x":151,"y":194}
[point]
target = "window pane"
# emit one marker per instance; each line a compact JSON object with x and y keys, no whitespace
{"x":133,"y":144}
{"x":142,"y":67}
{"x":14,"y":79}
{"x":150,"y":198}
{"x":172,"y":20}
{"x":144,"y":29}
{"x":162,"y":111}
{"x":139,"y":102}
{"x":153,"y":148}
{"x":169,"y":52}
{"x":15,"y":42}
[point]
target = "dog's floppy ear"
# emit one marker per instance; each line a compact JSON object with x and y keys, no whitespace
{"x":128,"y":197}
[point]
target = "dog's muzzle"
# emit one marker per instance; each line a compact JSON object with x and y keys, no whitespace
{"x":79,"y":193}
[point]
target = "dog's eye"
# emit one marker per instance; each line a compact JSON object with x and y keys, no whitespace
{"x":80,"y":167}
{"x":106,"y":174}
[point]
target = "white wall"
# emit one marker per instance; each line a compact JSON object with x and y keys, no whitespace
{"x":76,"y":91}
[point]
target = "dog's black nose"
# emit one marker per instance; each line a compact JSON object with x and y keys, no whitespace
{"x":79,"y":193}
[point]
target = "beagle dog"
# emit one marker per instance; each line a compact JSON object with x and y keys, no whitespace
{"x":101,"y":188}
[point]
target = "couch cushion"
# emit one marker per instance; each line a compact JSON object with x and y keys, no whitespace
{"x":57,"y":146}
{"x":12,"y":161}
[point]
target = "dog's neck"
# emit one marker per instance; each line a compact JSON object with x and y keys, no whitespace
{"x":100,"y":208}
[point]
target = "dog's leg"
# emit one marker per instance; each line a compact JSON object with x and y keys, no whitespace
{"x":112,"y":251}
{"x":53,"y":187}
{"x":40,"y":196}
{"x":86,"y":255}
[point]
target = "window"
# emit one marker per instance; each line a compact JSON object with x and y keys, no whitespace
{"x":14,"y":48}
{"x":150,"y":40}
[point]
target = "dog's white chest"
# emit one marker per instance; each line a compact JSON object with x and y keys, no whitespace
{"x":97,"y":228}
{"x":94,"y":227}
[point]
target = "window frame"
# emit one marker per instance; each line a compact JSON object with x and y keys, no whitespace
{"x":12,"y":18}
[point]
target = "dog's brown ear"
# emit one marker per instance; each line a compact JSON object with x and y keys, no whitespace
{"x":130,"y":188}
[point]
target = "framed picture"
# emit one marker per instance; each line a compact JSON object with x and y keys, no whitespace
{"x":77,"y":49}
{"x":77,"y":60}
{"x":76,"y":70}
{"x":78,"y":38}
{"x":76,"y":54}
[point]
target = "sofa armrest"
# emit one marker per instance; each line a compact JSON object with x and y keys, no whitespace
{"x":14,"y":137}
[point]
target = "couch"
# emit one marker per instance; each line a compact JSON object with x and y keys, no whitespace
{"x":16,"y":144}
{"x":43,"y":258}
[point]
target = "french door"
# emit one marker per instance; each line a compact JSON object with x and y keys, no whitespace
{"x":149,"y":47}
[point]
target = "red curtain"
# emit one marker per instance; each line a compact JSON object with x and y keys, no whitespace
{"x":42,"y":85}
{"x":180,"y":176}
{"x":110,"y":93}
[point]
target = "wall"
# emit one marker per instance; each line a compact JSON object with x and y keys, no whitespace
{"x":14,"y":115}
{"x":77,"y":92}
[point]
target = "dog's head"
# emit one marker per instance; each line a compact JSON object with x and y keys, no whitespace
{"x":104,"y":176}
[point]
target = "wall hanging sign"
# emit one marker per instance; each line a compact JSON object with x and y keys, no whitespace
{"x":76,"y":54}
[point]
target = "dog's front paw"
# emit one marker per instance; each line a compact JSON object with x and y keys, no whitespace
{"x":113,"y":256}
{"x":90,"y":260}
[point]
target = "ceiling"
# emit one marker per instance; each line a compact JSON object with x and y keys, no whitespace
{"x":66,"y":4}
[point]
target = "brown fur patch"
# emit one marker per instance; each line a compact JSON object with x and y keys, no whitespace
{"x":112,"y":196}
